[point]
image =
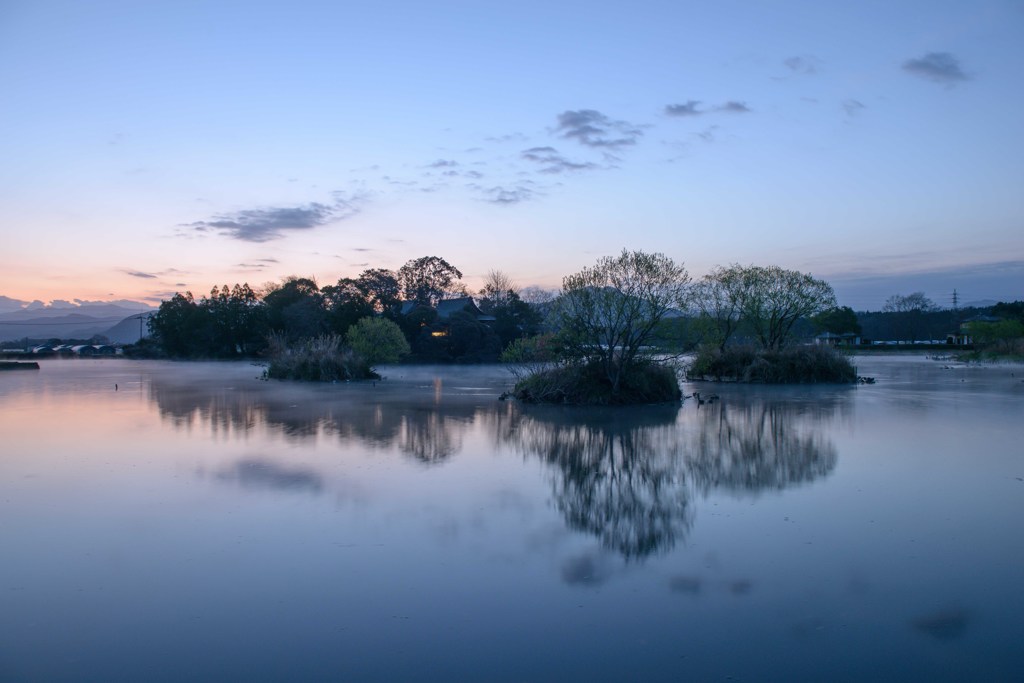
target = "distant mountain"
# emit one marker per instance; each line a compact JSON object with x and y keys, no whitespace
{"x":109,"y":312}
{"x":73,"y":326}
{"x":127,"y":331}
{"x":983,"y":303}
{"x":73,"y":322}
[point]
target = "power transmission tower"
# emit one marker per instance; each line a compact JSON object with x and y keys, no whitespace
{"x":956,"y":300}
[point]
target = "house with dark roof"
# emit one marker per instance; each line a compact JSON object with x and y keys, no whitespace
{"x":448,"y":307}
{"x":464,"y":304}
{"x":445,"y":309}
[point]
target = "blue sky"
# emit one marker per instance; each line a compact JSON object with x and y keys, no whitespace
{"x":154,"y":147}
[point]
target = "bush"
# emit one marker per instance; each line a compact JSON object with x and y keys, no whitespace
{"x":795,"y":365}
{"x":998,"y":339}
{"x":377,"y":340}
{"x":320,"y":359}
{"x":589,"y":385}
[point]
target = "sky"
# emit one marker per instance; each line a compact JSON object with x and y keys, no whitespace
{"x":157,"y":147}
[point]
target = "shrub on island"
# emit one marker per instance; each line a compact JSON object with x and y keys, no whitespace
{"x":588,"y":385}
{"x":791,"y":365}
{"x":319,"y":359}
{"x":326,"y":358}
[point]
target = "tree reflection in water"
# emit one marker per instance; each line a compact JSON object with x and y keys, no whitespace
{"x":757,"y":445}
{"x":628,"y":476}
{"x":617,"y":473}
{"x":428,"y":432}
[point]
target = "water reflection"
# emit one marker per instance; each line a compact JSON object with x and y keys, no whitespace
{"x":260,"y":473}
{"x":429,"y":432}
{"x":756,"y":445}
{"x":617,"y":473}
{"x":628,"y":477}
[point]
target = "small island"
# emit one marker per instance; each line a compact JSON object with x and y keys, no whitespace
{"x":609,"y":316}
{"x":605,"y":319}
{"x":765,"y":304}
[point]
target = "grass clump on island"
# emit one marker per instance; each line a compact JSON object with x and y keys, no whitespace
{"x":331,"y":358}
{"x":587,"y":384}
{"x":791,"y":365}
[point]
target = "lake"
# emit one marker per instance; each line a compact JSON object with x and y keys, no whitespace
{"x":199,"y":524}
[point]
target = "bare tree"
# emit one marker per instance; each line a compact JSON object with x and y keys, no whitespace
{"x":717,"y":297}
{"x":908,"y":313}
{"x":775,"y":298}
{"x":536,"y":296}
{"x":897,"y":303}
{"x":498,"y":285}
{"x":607,"y":313}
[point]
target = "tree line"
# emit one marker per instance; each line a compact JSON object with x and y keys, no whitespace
{"x":238,"y":321}
{"x":605,"y":313}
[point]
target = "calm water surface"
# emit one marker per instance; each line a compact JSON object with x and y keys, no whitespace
{"x":198,"y":524}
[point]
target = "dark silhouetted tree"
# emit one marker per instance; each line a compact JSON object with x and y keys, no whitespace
{"x":841,"y":320}
{"x":381,"y":289}
{"x":428,"y":279}
{"x":296,"y":309}
{"x":181,"y":327}
{"x":346,"y":303}
{"x":238,"y":319}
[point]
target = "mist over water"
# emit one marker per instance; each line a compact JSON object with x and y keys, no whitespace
{"x":197,"y":523}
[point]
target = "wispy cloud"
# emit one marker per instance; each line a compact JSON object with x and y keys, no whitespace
{"x":594,"y":129}
{"x":265,"y":224}
{"x":553,"y":162}
{"x":940,"y":67}
{"x":687,"y":109}
{"x":708,"y":134}
{"x":506,"y":195}
{"x":803,"y":64}
{"x":139,"y":273}
{"x":160,"y":297}
{"x":443,"y":163}
{"x":511,"y":137}
{"x":853,"y":107}
{"x":734,"y":107}
{"x":691,"y":108}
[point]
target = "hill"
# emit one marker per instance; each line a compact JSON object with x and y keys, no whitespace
{"x":67,"y":322}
